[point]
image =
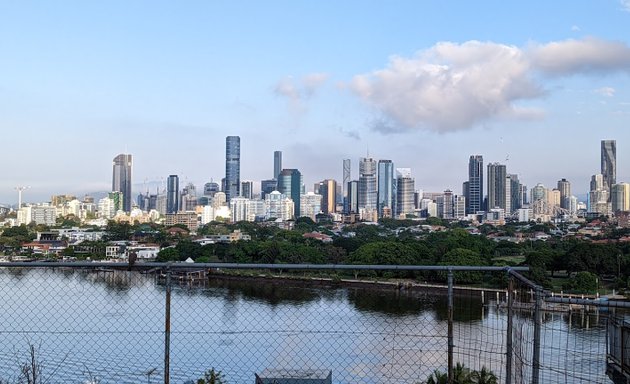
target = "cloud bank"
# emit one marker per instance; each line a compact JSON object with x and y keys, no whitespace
{"x":451,"y":86}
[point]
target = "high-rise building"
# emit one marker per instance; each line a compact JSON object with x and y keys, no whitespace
{"x":247,"y":189}
{"x":277,"y":164}
{"x":599,"y":196}
{"x":445,"y":205}
{"x":516,"y":197}
{"x":497,"y":188}
{"x":474,"y":193}
{"x":352,"y":189}
{"x":121,"y":179}
{"x":344,"y":184}
{"x":290,"y":184}
{"x":385,"y":189}
{"x":564,"y":186}
{"x":620,"y":197}
{"x":172,"y":194}
{"x":268,"y":186}
{"x":209,"y":189}
{"x":367,"y":184}
{"x":232,"y":167}
{"x":310,"y":205}
{"x":609,"y":163}
{"x":405,"y":186}
{"x":328,"y":191}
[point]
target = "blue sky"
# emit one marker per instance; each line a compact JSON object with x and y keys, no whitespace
{"x":534,"y":84}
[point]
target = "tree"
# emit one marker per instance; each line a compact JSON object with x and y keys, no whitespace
{"x":168,"y":254}
{"x":584,"y":281}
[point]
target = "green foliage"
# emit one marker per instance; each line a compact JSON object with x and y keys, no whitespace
{"x":117,"y":231}
{"x":462,"y":257}
{"x":583,"y":282}
{"x":168,"y":254}
{"x":211,"y":376}
{"x":463,"y":375}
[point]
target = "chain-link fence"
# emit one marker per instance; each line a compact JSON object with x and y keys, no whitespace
{"x":163,"y":323}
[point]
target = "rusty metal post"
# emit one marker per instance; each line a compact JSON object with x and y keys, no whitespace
{"x":450,"y":326}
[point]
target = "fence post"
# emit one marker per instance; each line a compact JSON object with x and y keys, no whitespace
{"x":508,"y":336}
{"x":537,"y":327}
{"x":450,"y":326}
{"x":167,"y":328}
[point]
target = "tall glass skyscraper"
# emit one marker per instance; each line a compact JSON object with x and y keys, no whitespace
{"x":277,"y":164}
{"x":121,"y":179}
{"x":497,"y":188}
{"x":474,"y":192}
{"x":367,"y":183}
{"x":609,"y":163}
{"x":232,"y":167}
{"x":172,"y":194}
{"x":290,"y":184}
{"x":385,"y":190}
{"x":344,"y":184}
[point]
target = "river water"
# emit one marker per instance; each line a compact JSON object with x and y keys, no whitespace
{"x":110,"y":326}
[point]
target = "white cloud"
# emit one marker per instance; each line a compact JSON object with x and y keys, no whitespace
{"x":302,"y":88}
{"x":575,"y":28}
{"x":606,"y":91}
{"x":625,"y":5}
{"x":580,"y":56}
{"x":451,"y":86}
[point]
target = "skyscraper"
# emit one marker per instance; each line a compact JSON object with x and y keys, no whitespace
{"x":564,"y":186}
{"x":344,"y":184}
{"x":290,"y":184}
{"x":609,"y":163}
{"x":328,"y":190}
{"x":121,"y":179}
{"x":277,"y":164}
{"x":497,"y":189}
{"x":172,"y":194}
{"x":620,"y":197}
{"x":232,"y":167}
{"x":405,"y":186}
{"x":474,"y":193}
{"x":385,"y":190}
{"x":247,"y":189}
{"x":367,"y":184}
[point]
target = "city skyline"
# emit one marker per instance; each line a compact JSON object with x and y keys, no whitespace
{"x":87,"y":81}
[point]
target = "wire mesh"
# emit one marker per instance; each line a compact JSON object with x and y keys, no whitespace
{"x":108,"y":325}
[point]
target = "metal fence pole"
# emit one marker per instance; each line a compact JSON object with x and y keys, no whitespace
{"x":508,"y":336}
{"x":537,"y":327}
{"x":450,"y":326}
{"x":167,"y":329}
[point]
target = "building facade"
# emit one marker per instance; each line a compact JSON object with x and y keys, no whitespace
{"x":609,"y":163}
{"x":121,"y":178}
{"x":385,"y":194}
{"x":474,"y":190}
{"x":232,"y":167}
{"x":172,"y":194}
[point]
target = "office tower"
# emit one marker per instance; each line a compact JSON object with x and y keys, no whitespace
{"x":459,"y":207}
{"x":232,"y":167}
{"x":121,"y":179}
{"x":310,"y":205}
{"x":328,"y":190}
{"x":268,"y":186}
{"x":445,"y":205}
{"x":277,"y":164}
{"x":620,"y":197}
{"x":609,"y":163}
{"x":290,"y":184}
{"x":599,"y":195}
{"x":352,"y":189}
{"x":172,"y":194}
{"x":209,"y":189}
{"x":474,"y":195}
{"x":344,"y":184}
{"x":239,"y":209}
{"x":516,"y":197}
{"x":188,"y":198}
{"x":367,"y":184}
{"x":539,"y":192}
{"x":385,"y":188}
{"x":497,"y":177}
{"x":564,"y":186}
{"x":405,"y":188}
{"x":247,"y":189}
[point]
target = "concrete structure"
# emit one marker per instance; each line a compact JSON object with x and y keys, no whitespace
{"x":405,"y":186}
{"x":328,"y":191}
{"x":497,"y":188}
{"x":620,"y":197}
{"x":310,"y":205}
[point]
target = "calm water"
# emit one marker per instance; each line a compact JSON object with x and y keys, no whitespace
{"x":110,"y":325}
